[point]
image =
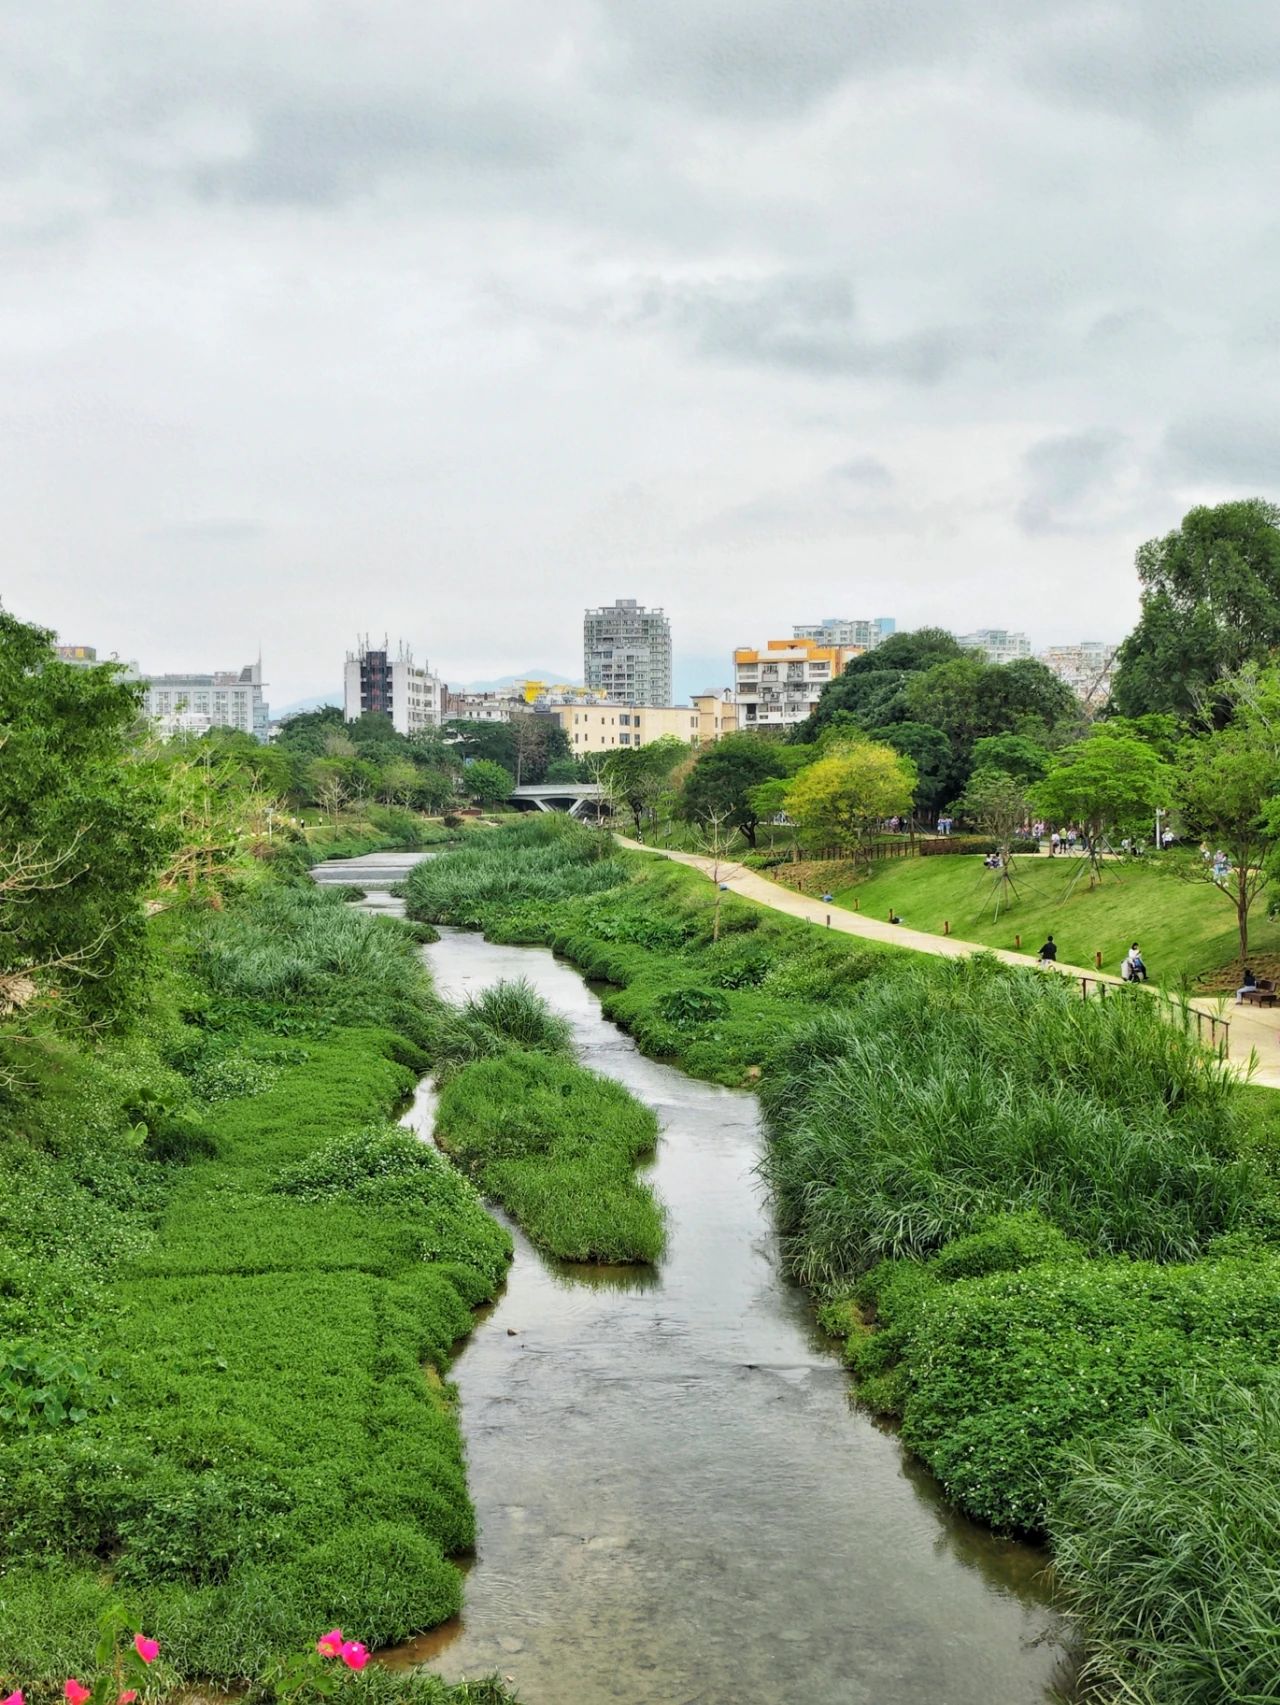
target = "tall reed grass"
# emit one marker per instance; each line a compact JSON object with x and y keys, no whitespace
{"x":951,"y":1092}
{"x":539,"y":861}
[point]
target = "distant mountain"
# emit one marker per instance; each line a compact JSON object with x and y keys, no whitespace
{"x":547,"y":675}
{"x":299,"y":705}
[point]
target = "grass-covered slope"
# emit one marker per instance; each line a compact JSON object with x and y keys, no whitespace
{"x":260,"y":1453}
{"x":1186,"y":927}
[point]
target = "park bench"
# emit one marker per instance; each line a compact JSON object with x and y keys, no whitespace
{"x":1263,"y":995}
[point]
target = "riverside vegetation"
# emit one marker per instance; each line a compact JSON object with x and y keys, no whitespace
{"x":1047,"y":1229}
{"x":230,"y":1285}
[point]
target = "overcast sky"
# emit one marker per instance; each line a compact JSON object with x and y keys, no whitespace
{"x":445,"y":318}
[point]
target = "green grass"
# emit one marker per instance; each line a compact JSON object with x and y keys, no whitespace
{"x":558,"y":1145}
{"x":268,"y":1445}
{"x":1186,"y":928}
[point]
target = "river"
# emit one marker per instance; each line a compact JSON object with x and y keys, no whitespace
{"x":678,"y":1498}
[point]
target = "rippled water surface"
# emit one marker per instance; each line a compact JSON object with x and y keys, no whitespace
{"x":677,"y":1499}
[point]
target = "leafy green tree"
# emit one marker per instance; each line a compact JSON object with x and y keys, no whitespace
{"x":398,"y":782}
{"x":723,"y":779}
{"x":1107,"y":783}
{"x":435,"y":790}
{"x":870,"y":692}
{"x":524,"y":746}
{"x":1014,"y":754}
{"x":930,"y":752}
{"x":1210,"y":603}
{"x":844,"y":797}
{"x":81,"y":836}
{"x":308,"y":731}
{"x":563,"y":769}
{"x":488,"y":783}
{"x":1225,"y":784}
{"x":636,"y":776}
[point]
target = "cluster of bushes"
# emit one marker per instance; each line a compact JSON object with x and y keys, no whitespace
{"x":250,"y":1266}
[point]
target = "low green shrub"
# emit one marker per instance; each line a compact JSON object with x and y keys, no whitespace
{"x":558,"y":1145}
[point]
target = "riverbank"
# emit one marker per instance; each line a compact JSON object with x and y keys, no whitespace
{"x":237,"y":1270}
{"x":1013,"y":1328}
{"x":674,"y":1495}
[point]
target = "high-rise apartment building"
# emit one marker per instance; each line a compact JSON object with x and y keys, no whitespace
{"x":779,"y":686}
{"x":391,"y":684}
{"x":841,"y":630}
{"x":1000,"y":645}
{"x":626,"y":653}
{"x":1085,"y":668}
{"x":192,"y":704}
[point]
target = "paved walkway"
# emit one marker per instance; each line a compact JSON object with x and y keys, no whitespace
{"x":1254,"y":1038}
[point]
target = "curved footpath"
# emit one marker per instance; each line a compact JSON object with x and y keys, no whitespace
{"x":1253,"y":1039}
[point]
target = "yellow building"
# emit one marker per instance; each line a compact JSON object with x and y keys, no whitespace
{"x":606,"y":727}
{"x":779,"y":686}
{"x":717,"y":716}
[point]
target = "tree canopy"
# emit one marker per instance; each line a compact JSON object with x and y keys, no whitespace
{"x":1210,"y":603}
{"x":81,"y":834}
{"x":725,"y":775}
{"x":1108,"y":783}
{"x":844,"y":797}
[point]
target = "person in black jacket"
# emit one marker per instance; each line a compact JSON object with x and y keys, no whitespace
{"x":1049,"y":951}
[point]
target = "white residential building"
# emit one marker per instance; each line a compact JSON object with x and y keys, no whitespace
{"x":862,"y":635}
{"x":779,"y":686}
{"x":392,"y":685}
{"x":192,"y":704}
{"x":626,"y":653}
{"x":1000,"y":645}
{"x":1086,"y":668}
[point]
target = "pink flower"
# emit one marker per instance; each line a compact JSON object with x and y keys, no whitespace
{"x":353,"y":1654}
{"x":73,"y":1693}
{"x":128,"y":1698}
{"x":14,"y":1698}
{"x":147,"y":1650}
{"x":330,"y":1645}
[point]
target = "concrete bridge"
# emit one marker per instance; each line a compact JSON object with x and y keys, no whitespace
{"x":578,"y":798}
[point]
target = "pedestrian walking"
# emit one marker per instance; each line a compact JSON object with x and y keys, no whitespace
{"x":1049,"y":952}
{"x":1055,"y":841}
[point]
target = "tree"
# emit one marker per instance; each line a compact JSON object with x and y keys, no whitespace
{"x":844,"y":797}
{"x":723,"y":778}
{"x":80,"y":831}
{"x":870,"y":692}
{"x":1023,"y":759}
{"x":1210,"y":603}
{"x":716,"y":837}
{"x":635,"y":776}
{"x":329,"y":783}
{"x":399,"y":782}
{"x":307,"y":731}
{"x":1225,"y":783}
{"x":434,"y":790}
{"x":1105,"y":782}
{"x":487,"y":783}
{"x":930,"y":752}
{"x":525,"y":745}
{"x":997,"y":802}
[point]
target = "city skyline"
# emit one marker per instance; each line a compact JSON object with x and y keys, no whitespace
{"x":466,"y":311}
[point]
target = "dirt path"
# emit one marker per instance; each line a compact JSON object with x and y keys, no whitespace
{"x":1254,"y":1037}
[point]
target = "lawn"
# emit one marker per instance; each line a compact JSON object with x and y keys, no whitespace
{"x":1186,"y":928}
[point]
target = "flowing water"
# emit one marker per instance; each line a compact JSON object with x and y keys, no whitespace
{"x":678,"y":1499}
